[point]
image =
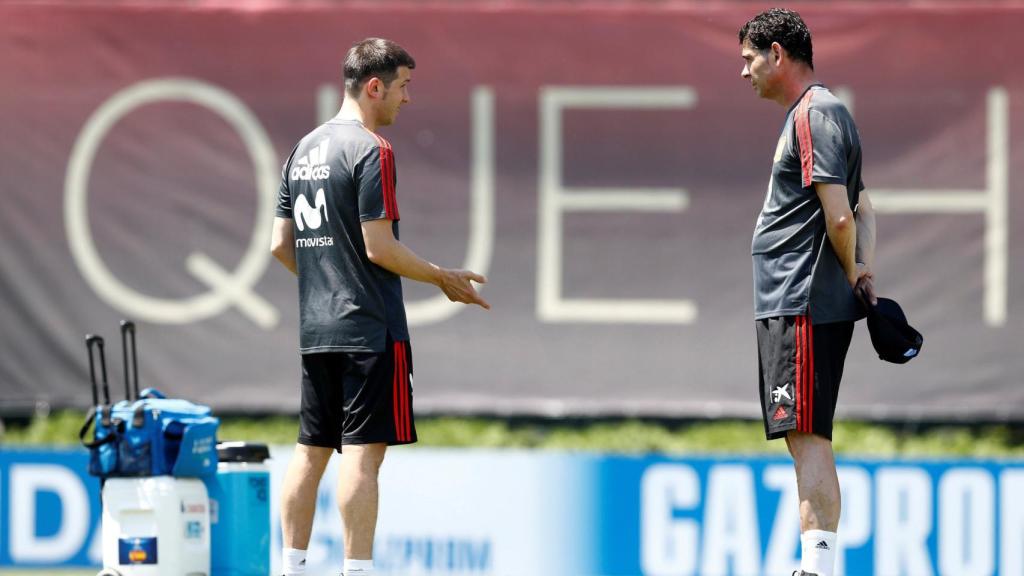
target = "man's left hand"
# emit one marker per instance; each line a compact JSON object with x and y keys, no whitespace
{"x":864,"y":285}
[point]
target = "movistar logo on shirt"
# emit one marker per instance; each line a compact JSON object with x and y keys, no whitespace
{"x":312,"y":217}
{"x":313,"y":165}
{"x":318,"y":242}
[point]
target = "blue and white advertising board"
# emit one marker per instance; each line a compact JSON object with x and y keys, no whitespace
{"x":456,"y":512}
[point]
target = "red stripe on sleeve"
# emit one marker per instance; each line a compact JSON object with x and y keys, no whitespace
{"x":387,"y":177}
{"x":803,"y":134}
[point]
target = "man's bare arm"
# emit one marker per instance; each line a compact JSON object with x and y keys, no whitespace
{"x":865,"y":250}
{"x":840,"y":226}
{"x":282,"y":243}
{"x":384,"y":250}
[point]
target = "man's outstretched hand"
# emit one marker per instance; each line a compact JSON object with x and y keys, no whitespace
{"x":457,"y":287}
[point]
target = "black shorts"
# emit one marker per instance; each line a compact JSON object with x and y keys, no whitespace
{"x":800,"y":368}
{"x":357,"y":397}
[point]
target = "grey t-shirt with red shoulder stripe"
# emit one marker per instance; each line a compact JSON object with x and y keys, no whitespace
{"x":338,"y":176}
{"x":796,"y":272}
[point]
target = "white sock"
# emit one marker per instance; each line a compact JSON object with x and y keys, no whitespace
{"x":360,"y":567}
{"x":294,"y":561}
{"x":818,"y":549}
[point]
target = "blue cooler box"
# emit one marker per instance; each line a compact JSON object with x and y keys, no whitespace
{"x":240,"y":511}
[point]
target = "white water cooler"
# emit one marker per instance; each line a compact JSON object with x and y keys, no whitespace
{"x":156,"y":526}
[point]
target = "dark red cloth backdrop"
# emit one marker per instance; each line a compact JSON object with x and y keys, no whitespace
{"x":171,"y":179}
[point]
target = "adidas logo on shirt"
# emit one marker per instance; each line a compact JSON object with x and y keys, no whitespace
{"x":313,"y":165}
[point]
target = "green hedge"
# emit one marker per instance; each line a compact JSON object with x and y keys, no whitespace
{"x":619,"y":436}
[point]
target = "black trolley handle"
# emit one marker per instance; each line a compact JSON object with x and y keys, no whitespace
{"x":128,"y":327}
{"x":93,"y":342}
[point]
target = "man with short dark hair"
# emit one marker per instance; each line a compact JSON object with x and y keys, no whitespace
{"x":337,"y":230}
{"x":813,"y":248}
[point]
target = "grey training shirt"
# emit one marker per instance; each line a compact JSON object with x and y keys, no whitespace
{"x":796,"y":272}
{"x":338,"y":176}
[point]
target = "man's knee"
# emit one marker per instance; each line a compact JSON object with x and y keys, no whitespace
{"x":807,"y":447}
{"x":367,"y":458}
{"x":311,"y":457}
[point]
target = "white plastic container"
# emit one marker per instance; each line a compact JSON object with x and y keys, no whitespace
{"x":156,"y":526}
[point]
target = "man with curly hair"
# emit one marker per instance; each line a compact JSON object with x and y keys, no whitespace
{"x":813,"y":249}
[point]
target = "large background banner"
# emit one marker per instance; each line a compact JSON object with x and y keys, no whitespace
{"x":507,"y":513}
{"x":602,"y":165}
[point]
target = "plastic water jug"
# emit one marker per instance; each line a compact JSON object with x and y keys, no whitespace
{"x":240,"y":510}
{"x":156,"y":526}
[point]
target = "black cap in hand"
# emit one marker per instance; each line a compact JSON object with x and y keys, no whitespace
{"x":893,"y":338}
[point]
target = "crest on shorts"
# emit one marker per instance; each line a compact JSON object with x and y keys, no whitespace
{"x":780,"y":392}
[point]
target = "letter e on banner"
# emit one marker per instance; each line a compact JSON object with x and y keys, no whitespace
{"x":556,"y":199}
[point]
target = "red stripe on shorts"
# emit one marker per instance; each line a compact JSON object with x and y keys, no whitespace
{"x":806,"y":376}
{"x":810,"y":375}
{"x":395,"y":398}
{"x":407,"y":422}
{"x":798,"y":387}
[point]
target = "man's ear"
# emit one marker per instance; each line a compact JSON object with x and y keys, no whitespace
{"x":374,"y":87}
{"x":776,"y":52}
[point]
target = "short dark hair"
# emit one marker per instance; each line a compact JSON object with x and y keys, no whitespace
{"x":783,"y":26}
{"x":373,"y":57}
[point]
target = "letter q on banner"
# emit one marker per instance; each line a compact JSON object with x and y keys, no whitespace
{"x":226,"y":287}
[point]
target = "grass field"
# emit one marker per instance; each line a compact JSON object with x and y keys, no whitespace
{"x":618,"y":436}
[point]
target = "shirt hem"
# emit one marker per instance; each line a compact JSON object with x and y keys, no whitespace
{"x":319,"y":349}
{"x":372,"y":217}
{"x":782,"y":312}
